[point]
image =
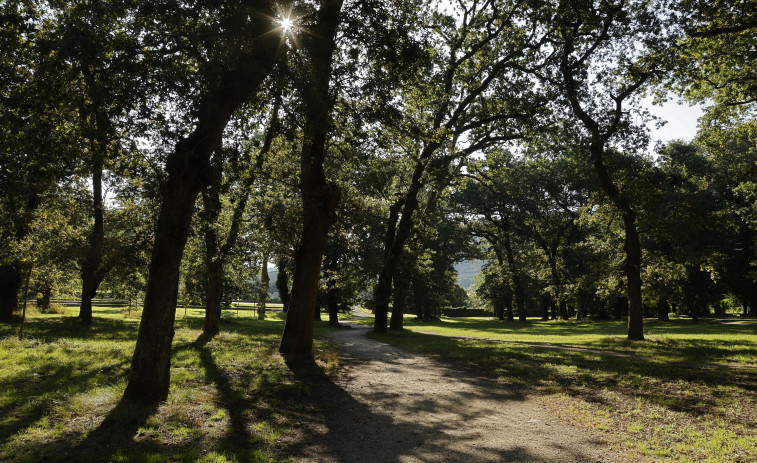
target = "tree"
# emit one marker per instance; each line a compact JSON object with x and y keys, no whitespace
{"x":246,"y":53}
{"x":319,"y":197}
{"x":476,"y":92}
{"x":39,"y":142}
{"x":604,"y":55}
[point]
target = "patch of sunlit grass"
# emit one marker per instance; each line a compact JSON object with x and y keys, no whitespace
{"x":232,"y":397}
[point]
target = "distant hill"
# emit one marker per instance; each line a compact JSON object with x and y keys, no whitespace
{"x":467,"y":271}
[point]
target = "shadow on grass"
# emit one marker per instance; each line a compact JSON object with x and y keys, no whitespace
{"x":589,"y":375}
{"x":394,"y":418}
{"x":238,"y":440}
{"x":114,"y":435}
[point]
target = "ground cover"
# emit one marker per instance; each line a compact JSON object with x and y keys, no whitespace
{"x":232,"y":396}
{"x":667,"y":398}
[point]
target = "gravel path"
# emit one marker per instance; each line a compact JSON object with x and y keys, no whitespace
{"x":398,"y":406}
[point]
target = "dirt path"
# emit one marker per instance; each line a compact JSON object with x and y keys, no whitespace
{"x":397,"y":406}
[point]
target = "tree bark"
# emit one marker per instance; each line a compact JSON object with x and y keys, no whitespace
{"x":663,"y":311}
{"x":187,"y":173}
{"x":10,"y":284}
{"x":319,"y":197}
{"x":520,"y":299}
{"x":383,"y":289}
{"x":332,"y":291}
{"x":46,"y":291}
{"x":89,"y":270}
{"x":398,"y":305}
{"x":546,"y":300}
{"x":263,"y":291}
{"x":282,"y":284}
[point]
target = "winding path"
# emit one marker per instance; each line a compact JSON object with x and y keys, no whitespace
{"x":398,"y":406}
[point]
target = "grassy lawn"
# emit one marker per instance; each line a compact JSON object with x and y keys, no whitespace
{"x":231,"y":397}
{"x":656,"y":397}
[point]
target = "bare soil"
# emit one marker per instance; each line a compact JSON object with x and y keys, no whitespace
{"x":392,"y":405}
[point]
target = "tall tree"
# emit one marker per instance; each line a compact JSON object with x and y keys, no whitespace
{"x":603,"y":57}
{"x":319,"y":196}
{"x":478,"y":94}
{"x":244,"y":52}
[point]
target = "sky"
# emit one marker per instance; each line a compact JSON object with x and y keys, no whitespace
{"x":681,"y":120}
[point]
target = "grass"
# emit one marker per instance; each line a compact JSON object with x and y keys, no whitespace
{"x":688,"y":393}
{"x":232,"y":397}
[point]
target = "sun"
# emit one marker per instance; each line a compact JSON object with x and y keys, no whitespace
{"x":286,"y":24}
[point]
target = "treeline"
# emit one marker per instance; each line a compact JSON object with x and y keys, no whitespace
{"x":173,"y":149}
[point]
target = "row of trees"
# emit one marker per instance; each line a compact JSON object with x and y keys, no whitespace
{"x":373,"y":142}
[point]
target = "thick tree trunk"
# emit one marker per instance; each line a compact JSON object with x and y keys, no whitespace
{"x":398,"y":305}
{"x":545,"y":303}
{"x":213,"y":297}
{"x":519,"y":293}
{"x":563,"y":309}
{"x":383,"y":289}
{"x":89,"y":269}
{"x":211,"y":211}
{"x":633,"y":276}
{"x":10,"y":284}
{"x":187,"y":173}
{"x":282,"y":284}
{"x":663,"y":311}
{"x":499,"y":308}
{"x":631,"y":244}
{"x":752,"y":299}
{"x":46,"y":291}
{"x":319,"y":198}
{"x":418,"y":296}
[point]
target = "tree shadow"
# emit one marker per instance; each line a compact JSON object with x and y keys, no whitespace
{"x":430,"y":428}
{"x":239,"y":440}
{"x":115,"y":433}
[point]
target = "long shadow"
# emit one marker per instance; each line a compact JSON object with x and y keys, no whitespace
{"x":239,"y":440}
{"x":114,"y":434}
{"x":373,"y":430}
{"x":586,"y":375}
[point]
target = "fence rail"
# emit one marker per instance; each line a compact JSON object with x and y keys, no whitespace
{"x":235,"y":305}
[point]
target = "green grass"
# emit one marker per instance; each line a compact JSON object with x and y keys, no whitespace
{"x":232,"y":397}
{"x":656,"y":397}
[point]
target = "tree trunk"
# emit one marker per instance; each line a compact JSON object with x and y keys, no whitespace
{"x":546,"y":300}
{"x":319,"y":198}
{"x":563,"y":308}
{"x":263,"y":291}
{"x":633,"y":276}
{"x":383,"y":289}
{"x":282,"y":284}
{"x":46,"y":290}
{"x":418,"y":296}
{"x":499,"y":308}
{"x":89,"y":269}
{"x":398,"y":306}
{"x":214,"y":296}
{"x":211,"y":211}
{"x":10,"y":284}
{"x":187,"y":170}
{"x":520,"y":299}
{"x":509,"y":306}
{"x":332,"y":291}
{"x":663,"y":311}
{"x":317,"y":311}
